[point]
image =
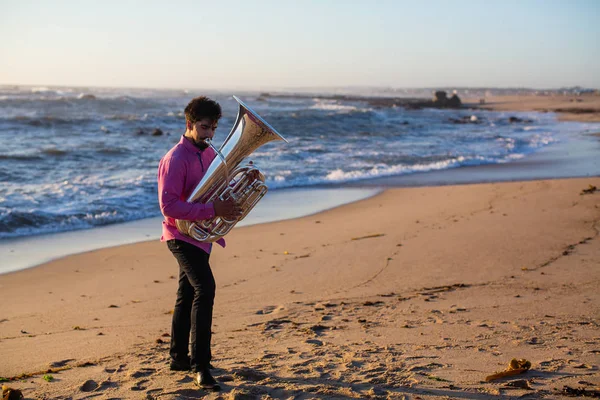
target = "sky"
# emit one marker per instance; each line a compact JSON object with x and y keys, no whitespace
{"x":265,"y":44}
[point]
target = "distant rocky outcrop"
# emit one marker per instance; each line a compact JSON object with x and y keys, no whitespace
{"x":410,"y":103}
{"x":441,"y":100}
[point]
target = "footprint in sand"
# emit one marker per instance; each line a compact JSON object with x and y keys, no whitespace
{"x":89,"y":386}
{"x":139,"y":385}
{"x":249,"y":374}
{"x":270,"y":310}
{"x":142,"y":372}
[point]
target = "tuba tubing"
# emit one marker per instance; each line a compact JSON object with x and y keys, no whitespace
{"x":225,"y":178}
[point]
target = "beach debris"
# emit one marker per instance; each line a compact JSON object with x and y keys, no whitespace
{"x":591,"y":189}
{"x":286,"y":253}
{"x":368,"y":236}
{"x":568,"y":250}
{"x":9,"y":393}
{"x":515,"y":367}
{"x":572,"y":392}
{"x":437,"y":378}
{"x":48,"y":378}
{"x":61,"y":363}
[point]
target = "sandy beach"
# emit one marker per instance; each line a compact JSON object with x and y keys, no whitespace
{"x":417,"y":292}
{"x":584,"y":108}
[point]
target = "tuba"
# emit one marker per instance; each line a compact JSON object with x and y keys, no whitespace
{"x":226,"y":179}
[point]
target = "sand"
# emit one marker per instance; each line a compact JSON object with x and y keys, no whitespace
{"x":584,"y":108}
{"x":413,"y":293}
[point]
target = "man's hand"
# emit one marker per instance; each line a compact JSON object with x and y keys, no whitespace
{"x":227,"y":209}
{"x":253,"y":175}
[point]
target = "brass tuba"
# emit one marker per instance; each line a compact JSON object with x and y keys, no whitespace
{"x":224,"y":179}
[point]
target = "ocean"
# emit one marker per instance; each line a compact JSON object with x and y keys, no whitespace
{"x":73,"y":158}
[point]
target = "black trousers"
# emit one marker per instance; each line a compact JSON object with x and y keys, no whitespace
{"x":192,"y":317}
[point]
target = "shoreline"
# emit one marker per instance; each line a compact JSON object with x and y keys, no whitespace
{"x":274,"y":207}
{"x":558,"y":161}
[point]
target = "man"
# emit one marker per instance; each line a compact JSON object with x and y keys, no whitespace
{"x":179,"y":172}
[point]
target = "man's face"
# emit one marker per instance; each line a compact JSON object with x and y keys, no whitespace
{"x":205,"y":128}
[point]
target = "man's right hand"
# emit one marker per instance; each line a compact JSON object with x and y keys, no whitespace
{"x":227,"y":209}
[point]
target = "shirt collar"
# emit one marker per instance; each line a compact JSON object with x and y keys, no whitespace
{"x":188,"y":145}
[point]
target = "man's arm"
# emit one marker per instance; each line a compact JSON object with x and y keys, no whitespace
{"x":171,"y":179}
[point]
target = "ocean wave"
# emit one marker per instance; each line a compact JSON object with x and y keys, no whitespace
{"x":335,"y":106}
{"x":46,"y":90}
{"x":360,"y":171}
{"x":113,"y":150}
{"x":18,"y":223}
{"x":74,"y":161}
{"x":339,"y":175}
{"x":44,"y":121}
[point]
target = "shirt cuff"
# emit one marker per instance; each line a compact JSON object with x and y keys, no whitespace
{"x":210,"y":207}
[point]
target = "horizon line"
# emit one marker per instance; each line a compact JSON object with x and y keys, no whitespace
{"x":386,"y":87}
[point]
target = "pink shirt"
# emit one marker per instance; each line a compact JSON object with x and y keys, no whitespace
{"x":179,"y":172}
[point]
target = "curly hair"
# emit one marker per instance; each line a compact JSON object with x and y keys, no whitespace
{"x":202,"y":107}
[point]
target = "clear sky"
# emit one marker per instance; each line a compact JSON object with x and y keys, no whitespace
{"x":261,"y":44}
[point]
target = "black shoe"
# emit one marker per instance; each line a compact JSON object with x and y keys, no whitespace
{"x":205,"y":380}
{"x":180,"y":365}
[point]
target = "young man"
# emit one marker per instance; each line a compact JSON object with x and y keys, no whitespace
{"x":179,"y":172}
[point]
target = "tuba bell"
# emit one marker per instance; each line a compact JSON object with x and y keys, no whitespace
{"x":225,"y":179}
